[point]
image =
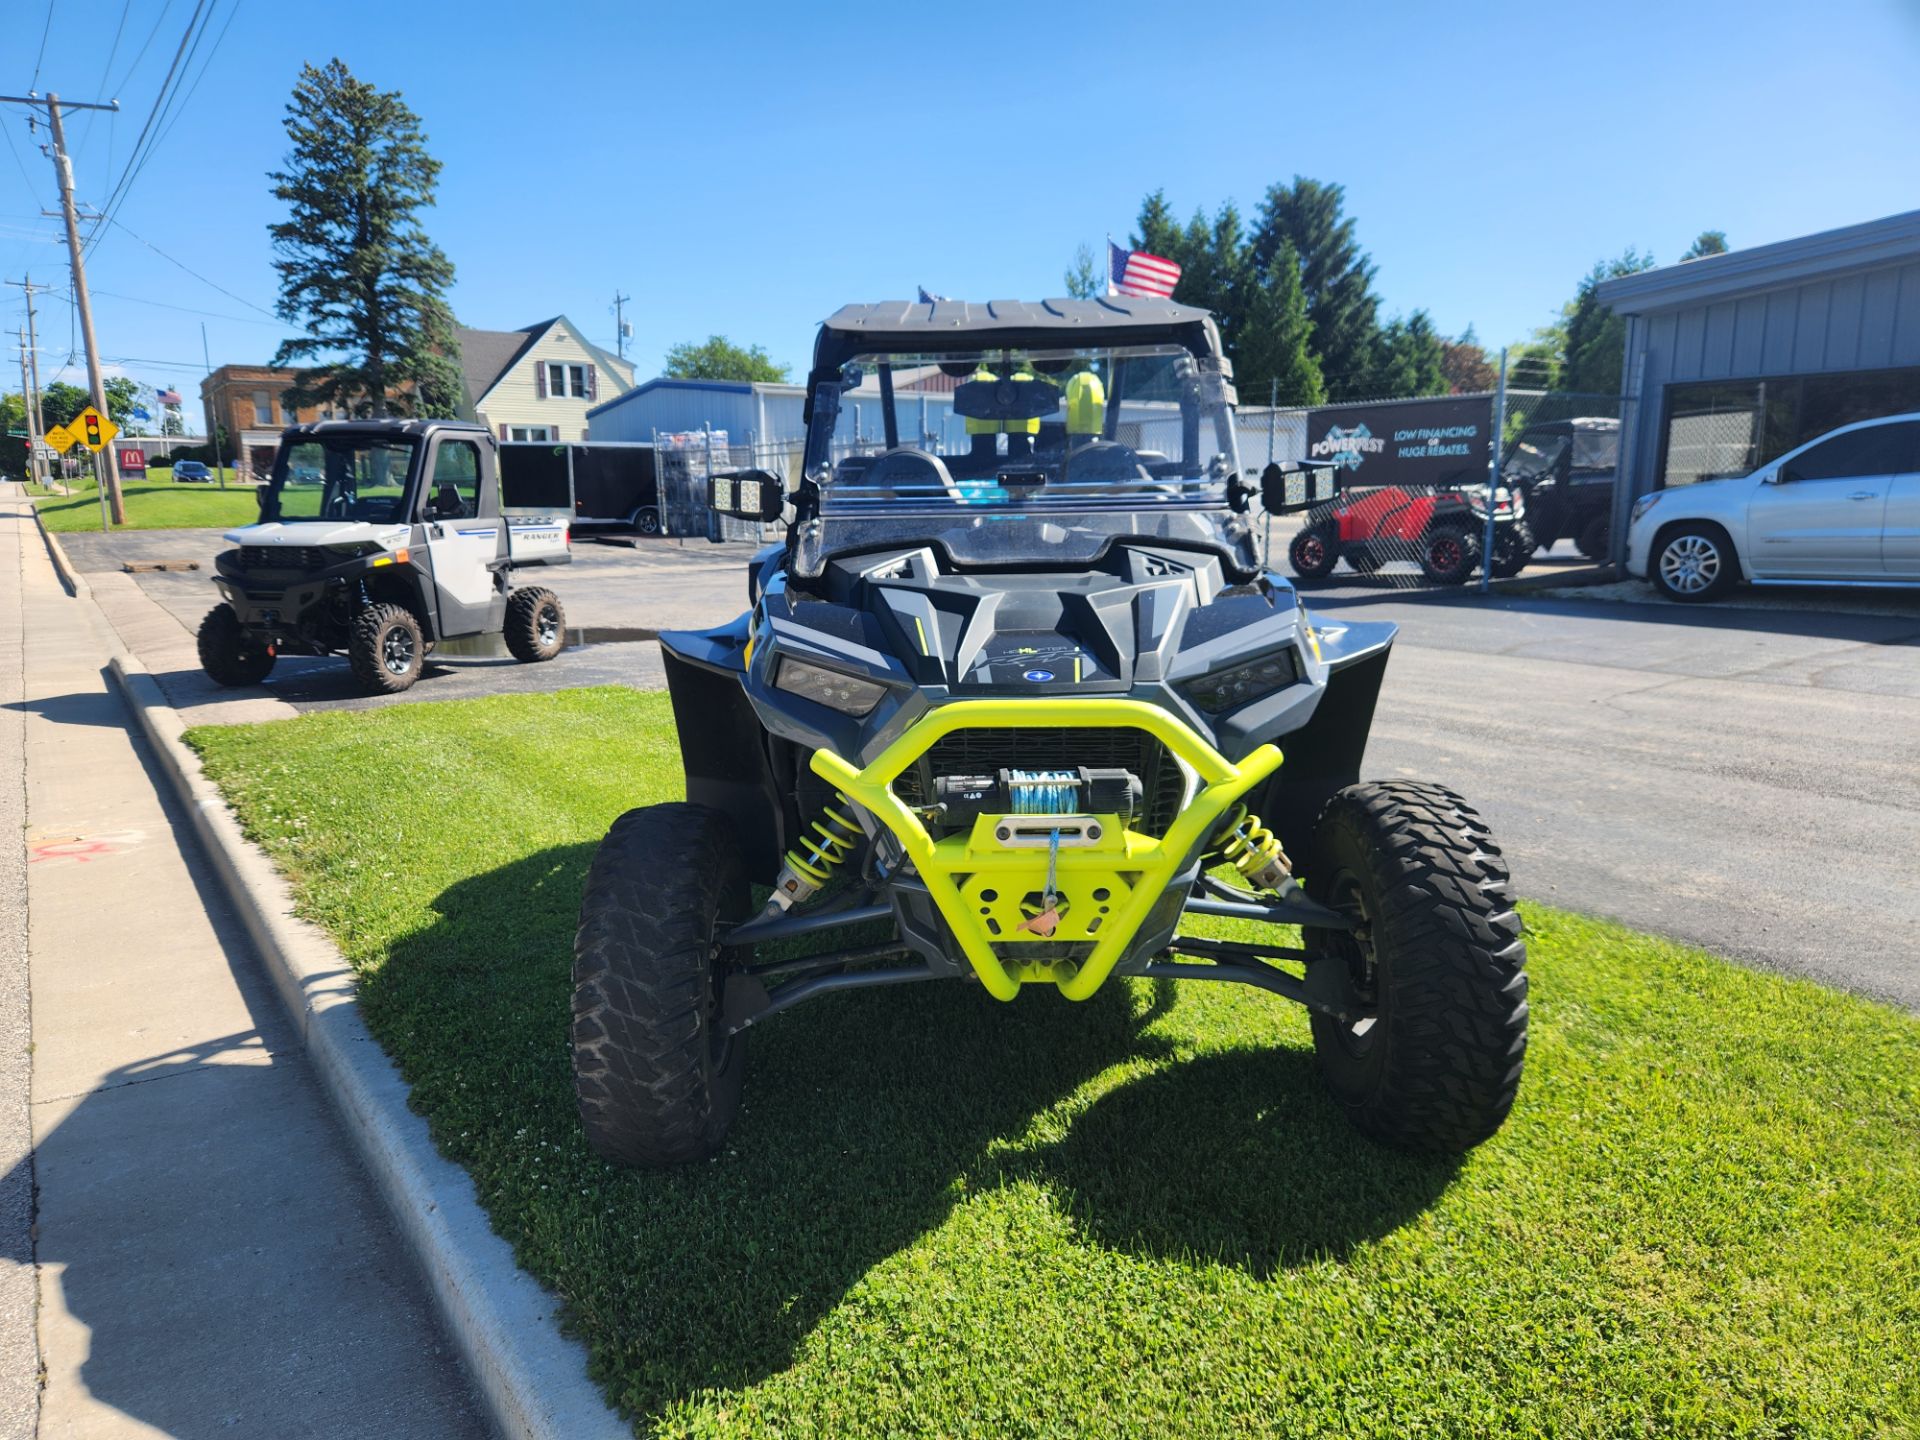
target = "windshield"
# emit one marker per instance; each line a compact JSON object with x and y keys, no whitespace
{"x":1023,"y":456}
{"x":340,"y":477}
{"x":1535,"y":454}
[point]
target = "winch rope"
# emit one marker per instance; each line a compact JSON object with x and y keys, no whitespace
{"x":1043,"y":792}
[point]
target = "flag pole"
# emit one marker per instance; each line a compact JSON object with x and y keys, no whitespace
{"x":1109,"y":262}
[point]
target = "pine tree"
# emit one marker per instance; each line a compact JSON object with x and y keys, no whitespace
{"x":1407,"y":358}
{"x":357,"y":271}
{"x":1084,"y":278}
{"x":1335,"y":274}
{"x":1708,"y":242}
{"x":1274,"y":338}
{"x":1596,"y":338}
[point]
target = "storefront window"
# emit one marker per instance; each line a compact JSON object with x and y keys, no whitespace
{"x":1724,"y":428}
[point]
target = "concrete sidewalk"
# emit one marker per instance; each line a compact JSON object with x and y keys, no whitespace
{"x":209,"y":1257}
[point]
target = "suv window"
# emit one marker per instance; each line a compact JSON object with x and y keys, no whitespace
{"x":455,"y":492}
{"x":1877,"y":450}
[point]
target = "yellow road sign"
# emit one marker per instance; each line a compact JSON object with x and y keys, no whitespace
{"x":60,"y":438}
{"x":92,"y":429}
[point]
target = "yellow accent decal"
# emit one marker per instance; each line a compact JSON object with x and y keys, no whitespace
{"x":382,"y":560}
{"x":920,"y":626}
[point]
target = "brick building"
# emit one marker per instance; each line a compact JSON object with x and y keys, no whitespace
{"x":244,"y":400}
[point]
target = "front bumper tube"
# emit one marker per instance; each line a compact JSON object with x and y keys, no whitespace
{"x":1110,"y":886}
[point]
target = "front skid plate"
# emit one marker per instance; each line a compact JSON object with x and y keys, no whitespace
{"x":1133,"y":869}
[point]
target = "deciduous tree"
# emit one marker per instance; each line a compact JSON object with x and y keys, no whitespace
{"x":718,"y":358}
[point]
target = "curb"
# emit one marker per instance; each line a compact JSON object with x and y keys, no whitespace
{"x":531,"y":1379}
{"x":62,"y":566}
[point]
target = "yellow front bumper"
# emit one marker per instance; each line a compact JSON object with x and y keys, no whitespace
{"x":1110,"y":886}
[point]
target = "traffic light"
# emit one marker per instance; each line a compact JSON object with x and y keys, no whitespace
{"x":93,"y":431}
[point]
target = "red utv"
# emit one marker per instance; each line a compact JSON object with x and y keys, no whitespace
{"x":1442,"y":530}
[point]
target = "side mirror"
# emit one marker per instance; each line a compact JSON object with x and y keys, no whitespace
{"x":747,"y":495}
{"x":1785,"y":475}
{"x":1295,"y":486}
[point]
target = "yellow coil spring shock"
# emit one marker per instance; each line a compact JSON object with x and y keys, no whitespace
{"x":811,"y":863}
{"x":1252,"y":849}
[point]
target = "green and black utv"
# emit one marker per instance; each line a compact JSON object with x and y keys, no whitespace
{"x":1013,"y":701}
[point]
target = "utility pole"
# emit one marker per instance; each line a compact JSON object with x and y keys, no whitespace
{"x":620,"y":324}
{"x":206,"y":408}
{"x":30,"y":392}
{"x":106,"y":462}
{"x":26,"y":404}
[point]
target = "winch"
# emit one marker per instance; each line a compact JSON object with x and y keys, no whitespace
{"x":959,"y":799}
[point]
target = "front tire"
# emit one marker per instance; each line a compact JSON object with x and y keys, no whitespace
{"x":1692,"y":563}
{"x":1596,"y":537}
{"x":1313,"y":553}
{"x":1513,"y":547}
{"x":656,"y":1083}
{"x":536,"y":625}
{"x":228,"y":654}
{"x":385,"y":649}
{"x":1448,"y":554}
{"x":1437,"y":971}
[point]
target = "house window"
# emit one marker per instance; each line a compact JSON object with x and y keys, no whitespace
{"x":533,"y":432}
{"x":262,"y":408}
{"x":569,"y":380}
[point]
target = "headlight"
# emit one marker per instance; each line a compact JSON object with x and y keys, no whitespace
{"x":1230,"y":689}
{"x":845,"y":693}
{"x":1646,"y":503}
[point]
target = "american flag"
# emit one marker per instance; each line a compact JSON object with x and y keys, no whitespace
{"x":168,"y":397}
{"x":1134,"y":272}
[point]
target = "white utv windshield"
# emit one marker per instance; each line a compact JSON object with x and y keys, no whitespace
{"x":1024,"y":456}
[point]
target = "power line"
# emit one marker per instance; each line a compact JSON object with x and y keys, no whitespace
{"x":45,"y":30}
{"x":189,"y":310}
{"x":133,"y":160}
{"x":145,"y":45}
{"x":108,"y":219}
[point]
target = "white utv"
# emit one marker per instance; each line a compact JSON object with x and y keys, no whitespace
{"x":379,"y":539}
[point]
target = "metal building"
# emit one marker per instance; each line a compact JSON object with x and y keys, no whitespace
{"x":748,"y":411}
{"x":1736,"y":359}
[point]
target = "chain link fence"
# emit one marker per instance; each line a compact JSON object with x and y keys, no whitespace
{"x":1552,"y":509}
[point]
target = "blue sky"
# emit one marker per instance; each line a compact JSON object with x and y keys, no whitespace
{"x":746,"y":168}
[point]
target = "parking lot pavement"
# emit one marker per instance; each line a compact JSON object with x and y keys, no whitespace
{"x":1740,"y":779}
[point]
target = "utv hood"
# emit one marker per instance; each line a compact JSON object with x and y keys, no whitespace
{"x":319,"y":532}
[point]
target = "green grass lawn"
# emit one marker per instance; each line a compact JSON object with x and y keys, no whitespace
{"x":1139,"y":1216}
{"x":154,"y":505}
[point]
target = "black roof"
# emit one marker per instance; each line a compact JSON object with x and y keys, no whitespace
{"x":936,"y":325}
{"x":909,"y":317}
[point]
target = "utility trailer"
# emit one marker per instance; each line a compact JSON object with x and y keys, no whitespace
{"x":603,"y":485}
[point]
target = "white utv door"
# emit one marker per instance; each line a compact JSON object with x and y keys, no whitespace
{"x":1824,"y":516}
{"x":463,"y":544}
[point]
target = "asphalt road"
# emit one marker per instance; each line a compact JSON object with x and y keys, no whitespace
{"x":1742,"y":776}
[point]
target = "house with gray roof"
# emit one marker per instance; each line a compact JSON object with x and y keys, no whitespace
{"x":538,"y":382}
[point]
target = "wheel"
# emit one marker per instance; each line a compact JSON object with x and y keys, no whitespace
{"x":656,"y":1083}
{"x":1313,"y":553}
{"x":1596,"y":537}
{"x":1437,"y":971}
{"x":536,"y":625}
{"x":1693,"y":562}
{"x":228,"y":654}
{"x":1513,"y":547}
{"x":1448,"y":554}
{"x":385,"y":649}
{"x":1363,"y":560}
{"x":649,"y":522}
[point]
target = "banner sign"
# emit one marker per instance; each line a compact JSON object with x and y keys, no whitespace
{"x":1404,"y":442}
{"x":133,"y":460}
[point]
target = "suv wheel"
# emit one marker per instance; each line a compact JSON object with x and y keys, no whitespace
{"x":1436,"y":973}
{"x":385,"y":649}
{"x":536,"y":625}
{"x":1448,"y":554}
{"x":1692,"y":563}
{"x":657,"y":1082}
{"x":228,"y":654}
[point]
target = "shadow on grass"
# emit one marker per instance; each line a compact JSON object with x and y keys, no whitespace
{"x":867,"y":1119}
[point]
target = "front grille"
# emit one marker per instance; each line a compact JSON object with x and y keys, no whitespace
{"x":282,"y":557}
{"x":983,"y":752}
